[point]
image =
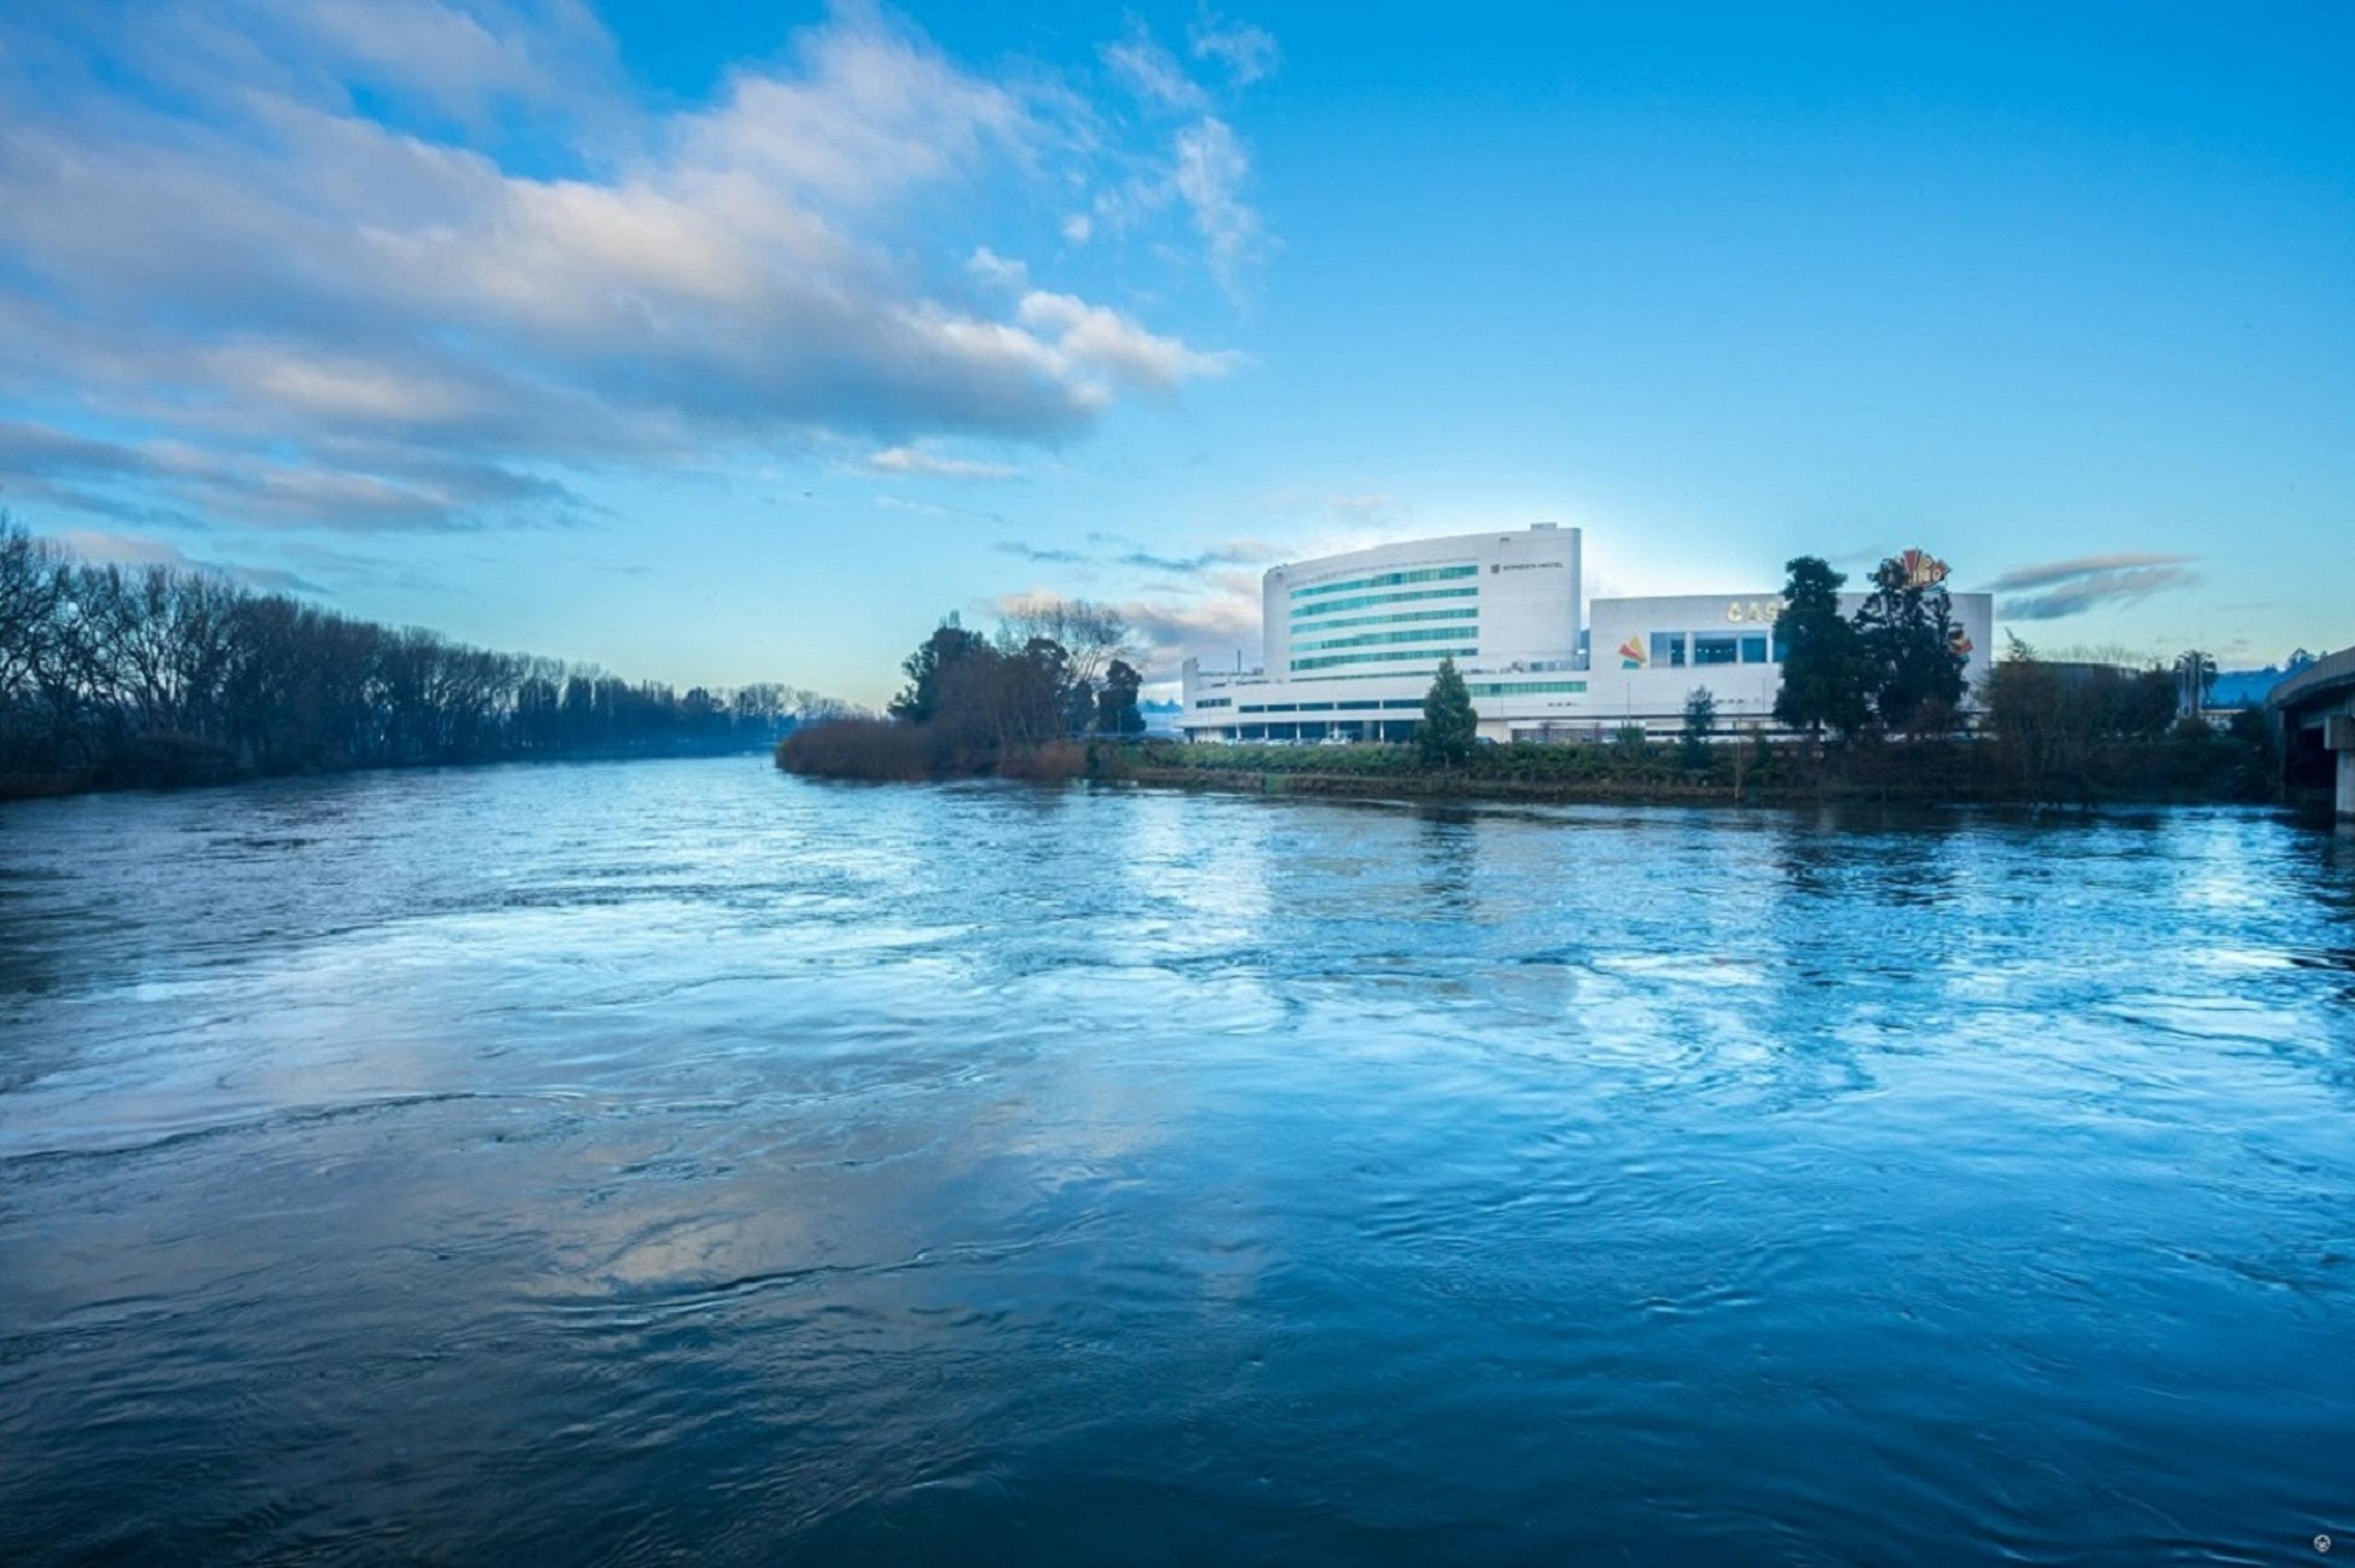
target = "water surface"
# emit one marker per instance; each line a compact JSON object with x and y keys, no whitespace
{"x":656,"y":1162}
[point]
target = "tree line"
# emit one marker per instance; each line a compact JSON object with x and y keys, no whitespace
{"x":1017,"y":701}
{"x":113,"y":676}
{"x":2050,"y":731}
{"x":1895,"y":666}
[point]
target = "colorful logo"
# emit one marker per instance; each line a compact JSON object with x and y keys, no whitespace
{"x":1920,"y":569}
{"x":1960,"y":641}
{"x":1631,"y":653}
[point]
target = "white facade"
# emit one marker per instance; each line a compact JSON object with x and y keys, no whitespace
{"x":1650,"y":654}
{"x":1349,"y":644}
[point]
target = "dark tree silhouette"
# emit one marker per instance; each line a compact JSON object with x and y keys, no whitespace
{"x":1450,"y":724}
{"x":1823,"y":666}
{"x":1700,"y":719}
{"x":949,"y":645}
{"x":1905,"y":632}
{"x":1116,"y":709}
{"x":112,"y":676}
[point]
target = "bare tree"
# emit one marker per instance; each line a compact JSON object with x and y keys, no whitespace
{"x":1091,"y":635}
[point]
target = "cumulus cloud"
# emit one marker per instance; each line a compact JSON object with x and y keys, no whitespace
{"x":997,"y":271}
{"x":1212,"y":628}
{"x":2056,"y":590}
{"x":1209,"y":614}
{"x":290,"y":306}
{"x":1093,"y":344}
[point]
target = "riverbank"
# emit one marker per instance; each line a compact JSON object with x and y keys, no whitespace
{"x":2170,"y":771}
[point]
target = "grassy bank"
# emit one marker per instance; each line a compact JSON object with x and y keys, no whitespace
{"x":882,"y":750}
{"x":2173,"y":768}
{"x":2184,"y":769}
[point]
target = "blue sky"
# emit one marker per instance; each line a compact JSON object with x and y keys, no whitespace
{"x":718,"y":343}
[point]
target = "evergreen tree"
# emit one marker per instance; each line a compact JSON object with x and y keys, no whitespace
{"x":1116,"y":709}
{"x":1824,"y":676}
{"x":925,"y":668}
{"x":1449,"y":724}
{"x":1906,"y":634}
{"x":1700,"y":718}
{"x":1080,"y":706}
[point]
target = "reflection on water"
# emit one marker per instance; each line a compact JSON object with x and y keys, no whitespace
{"x":634,"y":1162}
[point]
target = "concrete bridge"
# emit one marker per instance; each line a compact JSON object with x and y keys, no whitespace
{"x":2314,"y":711}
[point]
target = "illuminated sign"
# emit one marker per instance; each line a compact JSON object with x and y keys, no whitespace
{"x":1920,"y":569}
{"x":1756,"y":611}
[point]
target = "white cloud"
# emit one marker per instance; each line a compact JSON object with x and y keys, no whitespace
{"x":1098,"y":341}
{"x":916,"y":460}
{"x":123,"y":550}
{"x":1211,"y":170}
{"x":1078,"y":229}
{"x":295,"y":312}
{"x":1152,"y":73}
{"x":1249,"y":53}
{"x":997,"y":271}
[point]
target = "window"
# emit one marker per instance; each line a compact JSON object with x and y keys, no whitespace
{"x":1385,"y":618}
{"x":1316,"y":708}
{"x":1336,"y":606}
{"x":1215,"y":703}
{"x":1522,"y":688}
{"x":1715,"y":649}
{"x":1389,"y":639}
{"x":1754,"y":649}
{"x":1392,"y":656}
{"x":1669,"y":649}
{"x":1782,"y":646}
{"x":1389,"y":579}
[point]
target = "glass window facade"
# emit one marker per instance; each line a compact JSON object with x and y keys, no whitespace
{"x":1462,"y":612}
{"x":1668,"y":649}
{"x":1326,"y":660}
{"x":1753,"y":647}
{"x":1709,"y":650}
{"x":1361,"y":601}
{"x":1389,"y":639}
{"x":1388,"y":580}
{"x":1522,"y":688}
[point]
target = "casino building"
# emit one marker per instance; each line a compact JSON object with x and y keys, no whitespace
{"x":1349,"y":644}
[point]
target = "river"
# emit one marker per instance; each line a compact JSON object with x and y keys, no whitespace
{"x":644,"y":1162}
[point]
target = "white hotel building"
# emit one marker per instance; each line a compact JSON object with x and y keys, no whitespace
{"x":1349,"y":644}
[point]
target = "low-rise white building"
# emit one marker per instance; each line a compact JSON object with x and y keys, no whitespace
{"x":1350,"y":642}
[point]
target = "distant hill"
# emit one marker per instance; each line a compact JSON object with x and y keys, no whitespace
{"x":2248,"y":688}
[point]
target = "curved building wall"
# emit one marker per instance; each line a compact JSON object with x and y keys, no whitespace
{"x":1398,"y":609}
{"x":1350,"y":642}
